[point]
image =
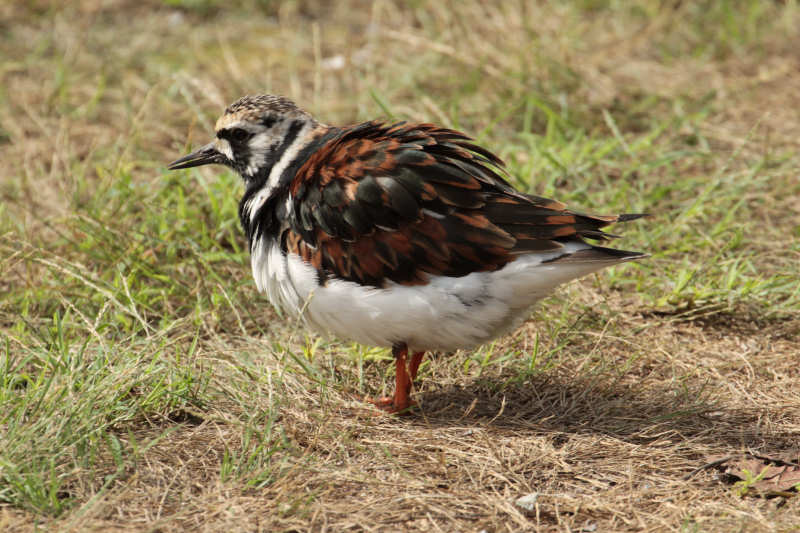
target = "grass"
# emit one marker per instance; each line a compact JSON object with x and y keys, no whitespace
{"x":146,"y":385}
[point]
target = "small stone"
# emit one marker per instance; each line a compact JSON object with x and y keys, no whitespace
{"x":527,"y":502}
{"x":175,"y":19}
{"x":333,"y":63}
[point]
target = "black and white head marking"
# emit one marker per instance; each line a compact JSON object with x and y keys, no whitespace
{"x":255,"y":131}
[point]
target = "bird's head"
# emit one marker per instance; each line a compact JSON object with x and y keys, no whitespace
{"x":251,"y":135}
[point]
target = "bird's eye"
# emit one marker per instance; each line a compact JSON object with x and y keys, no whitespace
{"x":238,"y":135}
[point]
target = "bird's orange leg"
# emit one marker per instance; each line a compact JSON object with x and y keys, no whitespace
{"x":402,"y":384}
{"x":402,"y":389}
{"x":413,"y":366}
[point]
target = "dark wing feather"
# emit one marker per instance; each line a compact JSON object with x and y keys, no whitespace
{"x":400,"y":202}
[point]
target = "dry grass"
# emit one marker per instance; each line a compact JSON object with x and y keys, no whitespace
{"x":146,"y":385}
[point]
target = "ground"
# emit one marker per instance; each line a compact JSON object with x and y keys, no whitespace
{"x":146,"y":386}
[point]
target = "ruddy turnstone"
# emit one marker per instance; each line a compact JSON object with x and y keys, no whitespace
{"x":400,"y":235}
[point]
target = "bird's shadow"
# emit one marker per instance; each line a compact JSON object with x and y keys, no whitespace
{"x":561,"y":406}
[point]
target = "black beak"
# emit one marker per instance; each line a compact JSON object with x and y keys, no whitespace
{"x":204,"y":155}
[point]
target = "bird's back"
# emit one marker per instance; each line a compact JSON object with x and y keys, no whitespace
{"x":399,"y":203}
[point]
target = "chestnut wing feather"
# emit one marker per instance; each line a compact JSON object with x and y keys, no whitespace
{"x":401,"y":202}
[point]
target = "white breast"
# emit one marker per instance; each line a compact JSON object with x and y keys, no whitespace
{"x":446,"y":314}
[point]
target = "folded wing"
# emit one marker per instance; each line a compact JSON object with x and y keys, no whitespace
{"x":402,"y":202}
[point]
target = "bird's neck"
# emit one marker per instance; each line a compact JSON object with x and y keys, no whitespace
{"x":266,"y":203}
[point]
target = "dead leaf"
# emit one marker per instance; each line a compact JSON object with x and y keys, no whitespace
{"x":769,"y":475}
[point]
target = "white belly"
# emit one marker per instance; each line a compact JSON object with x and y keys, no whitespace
{"x":446,"y":314}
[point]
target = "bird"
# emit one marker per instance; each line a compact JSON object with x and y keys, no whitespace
{"x":400,"y":235}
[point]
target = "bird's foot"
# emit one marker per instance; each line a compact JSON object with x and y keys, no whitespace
{"x":388,"y":405}
{"x":382,"y":402}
